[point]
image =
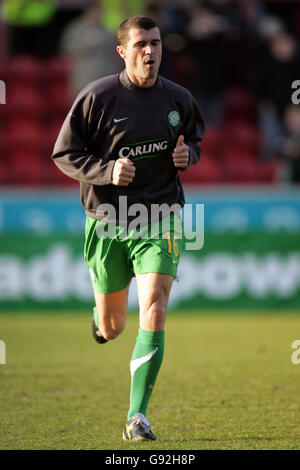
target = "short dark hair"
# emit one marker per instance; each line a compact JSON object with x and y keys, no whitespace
{"x":137,"y":22}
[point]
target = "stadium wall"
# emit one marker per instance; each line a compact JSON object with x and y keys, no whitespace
{"x":250,"y":258}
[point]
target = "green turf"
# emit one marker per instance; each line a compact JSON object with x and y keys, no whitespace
{"x":227,"y":382}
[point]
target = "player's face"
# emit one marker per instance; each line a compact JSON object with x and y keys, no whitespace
{"x":142,"y":56}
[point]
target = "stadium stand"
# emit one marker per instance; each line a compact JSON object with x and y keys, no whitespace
{"x":39,"y":96}
{"x":38,"y":99}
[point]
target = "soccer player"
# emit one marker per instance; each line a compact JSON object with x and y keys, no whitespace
{"x":125,"y":139}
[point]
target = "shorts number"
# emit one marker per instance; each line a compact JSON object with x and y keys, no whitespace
{"x":167,"y":236}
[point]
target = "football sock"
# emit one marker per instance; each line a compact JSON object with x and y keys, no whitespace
{"x":144,"y":367}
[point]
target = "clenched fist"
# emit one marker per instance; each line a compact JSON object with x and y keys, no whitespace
{"x":181,"y":153}
{"x":123,"y":172}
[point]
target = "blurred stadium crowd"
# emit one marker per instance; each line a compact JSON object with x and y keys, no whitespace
{"x":240,"y":59}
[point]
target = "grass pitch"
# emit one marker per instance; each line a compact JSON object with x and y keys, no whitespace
{"x":227,"y":382}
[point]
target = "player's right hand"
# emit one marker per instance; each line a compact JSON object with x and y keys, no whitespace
{"x":123,"y":172}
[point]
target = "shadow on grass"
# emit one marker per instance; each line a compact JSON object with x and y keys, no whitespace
{"x":218,"y":439}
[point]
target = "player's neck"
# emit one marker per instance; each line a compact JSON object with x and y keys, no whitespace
{"x":141,"y":82}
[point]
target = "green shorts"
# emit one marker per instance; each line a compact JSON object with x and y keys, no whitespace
{"x":114,"y":254}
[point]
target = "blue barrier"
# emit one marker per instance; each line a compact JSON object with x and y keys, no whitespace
{"x":46,"y":212}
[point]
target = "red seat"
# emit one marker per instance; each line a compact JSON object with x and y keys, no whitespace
{"x":268,"y":172}
{"x":47,"y":145}
{"x":3,"y":115}
{"x":211,"y":142}
{"x":183,"y":68}
{"x":241,"y":135}
{"x":57,"y":71}
{"x":4,"y":65}
{"x":49,"y":137}
{"x":58,"y":67}
{"x":59,"y":101}
{"x":208,"y":170}
{"x":239,"y":103}
{"x":3,"y":144}
{"x":26,"y":168}
{"x":24,"y":135}
{"x":54,"y":129}
{"x":54,"y":174}
{"x":24,"y":69}
{"x":5,"y":175}
{"x":233,"y":155}
{"x":25,"y":101}
{"x":240,"y":171}
{"x":250,"y":171}
{"x":57,"y":178}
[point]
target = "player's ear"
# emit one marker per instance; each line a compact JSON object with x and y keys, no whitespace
{"x":121,"y":51}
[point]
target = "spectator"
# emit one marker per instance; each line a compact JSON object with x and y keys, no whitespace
{"x":91,"y":48}
{"x":269,"y":27}
{"x":287,"y":144}
{"x":280,"y":70}
{"x":206,"y":34}
{"x":273,"y":80}
{"x":115,"y":11}
{"x":29,"y":26}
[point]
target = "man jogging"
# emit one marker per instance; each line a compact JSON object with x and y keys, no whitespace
{"x":124,"y":140}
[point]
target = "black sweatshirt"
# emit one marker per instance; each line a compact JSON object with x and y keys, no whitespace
{"x":113,"y":118}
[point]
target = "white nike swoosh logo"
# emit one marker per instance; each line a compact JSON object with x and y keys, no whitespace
{"x":118,"y":120}
{"x":136,"y":363}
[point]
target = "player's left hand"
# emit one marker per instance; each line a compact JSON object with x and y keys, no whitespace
{"x":181,"y":153}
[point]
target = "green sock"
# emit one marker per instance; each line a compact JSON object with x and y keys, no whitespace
{"x":144,"y":367}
